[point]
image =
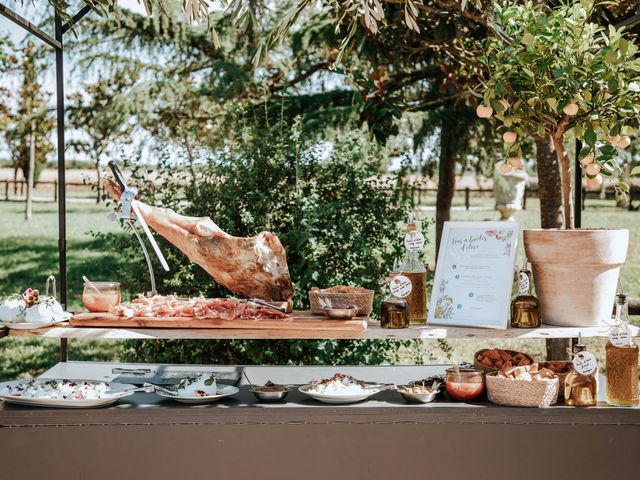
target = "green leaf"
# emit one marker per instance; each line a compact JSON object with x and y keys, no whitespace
{"x":590,"y":138}
{"x":635,"y":170}
{"x":528,"y":39}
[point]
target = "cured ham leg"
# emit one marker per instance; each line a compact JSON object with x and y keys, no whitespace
{"x":255,"y":267}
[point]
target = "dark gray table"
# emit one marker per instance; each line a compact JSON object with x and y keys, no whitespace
{"x":146,"y":436}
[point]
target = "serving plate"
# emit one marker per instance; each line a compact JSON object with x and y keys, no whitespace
{"x":333,"y":398}
{"x":223,"y":391}
{"x":115,"y":392}
{"x":33,"y":325}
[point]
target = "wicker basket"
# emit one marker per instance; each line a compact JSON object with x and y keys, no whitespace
{"x":485,"y":369}
{"x":361,"y":298}
{"x":522,"y":393}
{"x":561,"y":376}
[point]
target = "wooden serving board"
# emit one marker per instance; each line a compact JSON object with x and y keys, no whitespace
{"x":296,"y":321}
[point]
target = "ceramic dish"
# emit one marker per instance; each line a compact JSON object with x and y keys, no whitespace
{"x":413,"y":397}
{"x":340,"y":313}
{"x":270,"y":396}
{"x":113,"y":393}
{"x":222,"y":392}
{"x":34,"y":325}
{"x":339,"y":398}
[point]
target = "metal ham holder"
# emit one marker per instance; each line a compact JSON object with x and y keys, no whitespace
{"x":130,"y":213}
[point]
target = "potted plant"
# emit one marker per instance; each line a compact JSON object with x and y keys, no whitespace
{"x":554,"y":72}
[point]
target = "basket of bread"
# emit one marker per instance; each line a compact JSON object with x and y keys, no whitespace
{"x":526,"y":386}
{"x":340,"y":296}
{"x":492,"y":360}
{"x":561,"y":368}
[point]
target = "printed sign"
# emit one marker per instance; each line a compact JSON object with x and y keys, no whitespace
{"x":400,"y":286}
{"x":474,"y":274}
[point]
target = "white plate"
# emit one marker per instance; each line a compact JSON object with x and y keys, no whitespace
{"x":223,"y":391}
{"x":332,"y":398}
{"x":115,"y":392}
{"x":30,"y":326}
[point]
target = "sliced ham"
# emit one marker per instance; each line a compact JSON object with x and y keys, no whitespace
{"x":168,"y":306}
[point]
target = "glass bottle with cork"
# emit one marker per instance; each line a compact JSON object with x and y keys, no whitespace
{"x":413,"y":268}
{"x":622,"y":360}
{"x":525,"y":309}
{"x":581,"y":384}
{"x":394,"y":310}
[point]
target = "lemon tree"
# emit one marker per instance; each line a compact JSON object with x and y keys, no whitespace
{"x":552,"y":70}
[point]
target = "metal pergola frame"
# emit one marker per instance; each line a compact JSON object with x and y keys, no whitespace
{"x":57,"y":43}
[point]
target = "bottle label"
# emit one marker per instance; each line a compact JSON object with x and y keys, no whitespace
{"x":414,"y":241}
{"x":620,"y":336}
{"x":400,"y":286}
{"x":524,"y":286}
{"x":585,"y":363}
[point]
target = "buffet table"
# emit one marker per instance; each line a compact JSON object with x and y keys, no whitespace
{"x":300,"y":437}
{"x":372,"y":332}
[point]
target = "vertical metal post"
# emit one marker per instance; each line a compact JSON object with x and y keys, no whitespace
{"x":62,"y":214}
{"x":577,"y":187}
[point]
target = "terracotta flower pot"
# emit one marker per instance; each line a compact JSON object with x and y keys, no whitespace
{"x":576,"y":273}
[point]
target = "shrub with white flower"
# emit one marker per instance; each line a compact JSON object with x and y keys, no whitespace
{"x":551,"y":71}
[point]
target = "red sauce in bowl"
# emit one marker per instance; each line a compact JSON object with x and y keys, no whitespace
{"x":465,"y":384}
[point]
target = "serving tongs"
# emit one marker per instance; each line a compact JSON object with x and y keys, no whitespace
{"x":130,"y":212}
{"x":256,"y":302}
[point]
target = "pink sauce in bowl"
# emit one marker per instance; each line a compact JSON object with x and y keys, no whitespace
{"x":101,"y":298}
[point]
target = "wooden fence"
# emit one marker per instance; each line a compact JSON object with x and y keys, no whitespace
{"x":15,"y":190}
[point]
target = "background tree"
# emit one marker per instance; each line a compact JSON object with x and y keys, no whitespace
{"x":552,"y":71}
{"x":103,"y":113}
{"x":31,"y":121}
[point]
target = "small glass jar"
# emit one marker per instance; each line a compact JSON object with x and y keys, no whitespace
{"x":101,"y":296}
{"x":465,"y":384}
{"x":394,"y":313}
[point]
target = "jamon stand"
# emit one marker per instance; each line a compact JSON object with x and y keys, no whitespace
{"x":130,"y":213}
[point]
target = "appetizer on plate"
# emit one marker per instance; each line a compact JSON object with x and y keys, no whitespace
{"x":198,"y":389}
{"x":340,"y":389}
{"x":64,"y":393}
{"x":31,"y":310}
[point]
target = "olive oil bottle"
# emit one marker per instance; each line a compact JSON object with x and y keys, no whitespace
{"x":413,"y":268}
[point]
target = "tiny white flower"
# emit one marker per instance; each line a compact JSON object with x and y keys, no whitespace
{"x":634,"y":87}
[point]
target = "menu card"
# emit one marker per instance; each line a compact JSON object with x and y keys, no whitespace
{"x":474,"y":274}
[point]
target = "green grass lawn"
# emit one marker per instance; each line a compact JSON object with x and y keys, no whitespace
{"x":29,"y":253}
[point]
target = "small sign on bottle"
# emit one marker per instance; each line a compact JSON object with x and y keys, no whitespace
{"x":400,"y":286}
{"x":585,"y":363}
{"x":524,"y":284}
{"x":414,"y":241}
{"x":620,"y":336}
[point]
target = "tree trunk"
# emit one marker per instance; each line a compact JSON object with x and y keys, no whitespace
{"x":31,"y":173}
{"x":565,"y":164}
{"x":446,"y":174}
{"x":550,"y":194}
{"x":99,"y":175}
{"x":549,"y":184}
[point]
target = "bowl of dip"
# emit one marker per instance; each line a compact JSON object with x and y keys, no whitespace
{"x":464,"y":384}
{"x":101,"y":296}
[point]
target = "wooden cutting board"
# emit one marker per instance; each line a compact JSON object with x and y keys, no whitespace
{"x":296,"y":321}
